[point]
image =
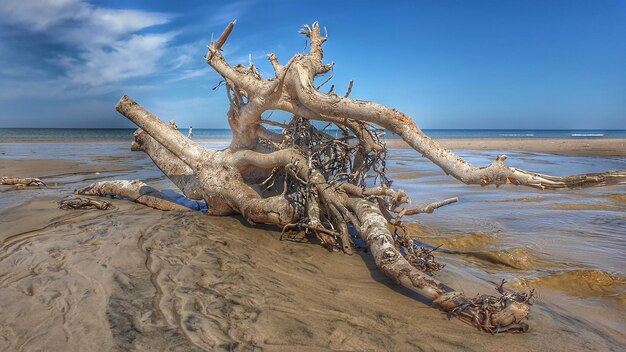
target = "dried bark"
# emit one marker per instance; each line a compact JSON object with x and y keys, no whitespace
{"x":305,"y":179}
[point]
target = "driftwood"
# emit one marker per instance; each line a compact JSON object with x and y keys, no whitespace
{"x":334,"y":188}
{"x":136,"y":190}
{"x":74,"y":202}
{"x":23,"y":182}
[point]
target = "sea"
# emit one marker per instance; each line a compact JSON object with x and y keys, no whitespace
{"x":124,"y":134}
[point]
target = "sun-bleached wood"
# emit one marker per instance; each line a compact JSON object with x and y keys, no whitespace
{"x":271,"y":178}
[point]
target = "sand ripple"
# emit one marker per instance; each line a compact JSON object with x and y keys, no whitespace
{"x":137,"y":279}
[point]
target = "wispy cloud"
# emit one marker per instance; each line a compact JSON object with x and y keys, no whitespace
{"x":39,"y":15}
{"x":229,"y":12}
{"x":61,"y":54}
{"x":105,"y":45}
{"x":76,"y":21}
{"x":191,"y":73}
{"x":136,"y":56}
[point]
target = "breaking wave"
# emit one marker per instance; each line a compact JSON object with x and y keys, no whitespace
{"x":587,"y":134}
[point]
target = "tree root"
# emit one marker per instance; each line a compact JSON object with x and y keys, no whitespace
{"x":74,"y":202}
{"x":22,"y":182}
{"x":136,"y":191}
{"x":304,"y":178}
{"x":314,"y":193}
{"x":511,"y":308}
{"x":420,"y":258}
{"x":495,"y":314}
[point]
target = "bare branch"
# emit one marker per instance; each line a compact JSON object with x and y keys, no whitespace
{"x":183,"y":148}
{"x":424,"y":208}
{"x":274,"y":123}
{"x":496,"y":173}
{"x":222,"y":39}
{"x":349,"y":88}
{"x":278,"y":68}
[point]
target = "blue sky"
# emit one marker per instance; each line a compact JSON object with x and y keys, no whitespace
{"x":448,"y":64}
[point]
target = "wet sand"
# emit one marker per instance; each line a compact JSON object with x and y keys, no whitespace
{"x":218,"y":140}
{"x":591,"y":147}
{"x":134,"y":278}
{"x":47,"y":168}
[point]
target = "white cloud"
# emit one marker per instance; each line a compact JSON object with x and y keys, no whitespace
{"x":126,"y":21}
{"x":102,"y":26}
{"x":40,"y":15}
{"x":43,"y":15}
{"x":134,"y":57}
{"x":107,"y":46}
{"x":100,"y":50}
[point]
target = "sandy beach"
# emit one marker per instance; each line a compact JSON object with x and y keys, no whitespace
{"x":350,"y":176}
{"x":135,"y":278}
{"x":591,"y":147}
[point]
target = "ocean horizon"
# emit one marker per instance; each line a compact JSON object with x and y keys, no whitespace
{"x":123,"y":134}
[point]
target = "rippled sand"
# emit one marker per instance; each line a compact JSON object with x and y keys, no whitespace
{"x":134,"y":278}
